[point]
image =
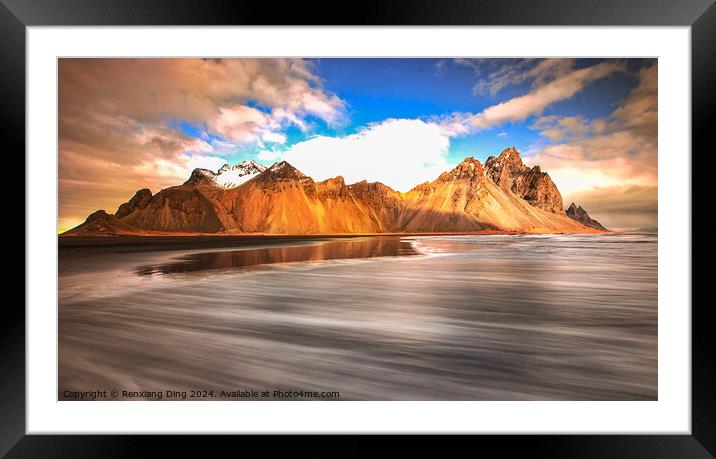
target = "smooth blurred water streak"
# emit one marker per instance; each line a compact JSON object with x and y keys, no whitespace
{"x":514,"y":317}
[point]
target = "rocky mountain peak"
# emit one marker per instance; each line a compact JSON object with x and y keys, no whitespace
{"x":470,"y":168}
{"x":139,"y":201}
{"x":282,"y":171}
{"x":200,"y":176}
{"x":511,"y":154}
{"x":531,"y":184}
{"x":284,"y":168}
{"x":578,"y":213}
{"x":501,"y":168}
{"x":469,"y":163}
{"x":97,"y":215}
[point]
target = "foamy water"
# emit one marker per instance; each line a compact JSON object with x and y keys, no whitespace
{"x":564,"y":317}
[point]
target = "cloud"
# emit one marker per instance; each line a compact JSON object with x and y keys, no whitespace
{"x":273,"y":137}
{"x":398,"y":152}
{"x":247,"y":125}
{"x":240,"y":123}
{"x":269,"y":155}
{"x":640,"y":112}
{"x":440,"y":67}
{"x":558,"y":128}
{"x":241,"y":101}
{"x":502,"y":73}
{"x":192,"y":89}
{"x":181,"y":168}
{"x":615,"y":159}
{"x":564,"y":85}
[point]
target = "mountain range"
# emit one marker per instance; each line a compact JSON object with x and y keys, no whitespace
{"x":503,"y":195}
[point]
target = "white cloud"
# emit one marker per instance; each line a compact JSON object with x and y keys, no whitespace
{"x":401,"y":153}
{"x":240,"y":123}
{"x":191,"y":162}
{"x":177,"y":171}
{"x":269,"y":155}
{"x":273,"y":137}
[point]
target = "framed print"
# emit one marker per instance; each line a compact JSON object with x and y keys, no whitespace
{"x":466,"y":218}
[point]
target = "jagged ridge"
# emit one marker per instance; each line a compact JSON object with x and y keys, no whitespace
{"x":579,"y":214}
{"x":504,"y":195}
{"x":532,"y":185}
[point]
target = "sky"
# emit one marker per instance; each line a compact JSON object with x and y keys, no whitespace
{"x":127,"y":124}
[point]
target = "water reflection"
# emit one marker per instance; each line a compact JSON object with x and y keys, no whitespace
{"x":236,"y":259}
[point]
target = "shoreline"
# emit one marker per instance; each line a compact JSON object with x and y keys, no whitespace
{"x":179,"y":241}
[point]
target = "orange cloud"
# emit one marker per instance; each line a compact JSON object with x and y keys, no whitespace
{"x":558,"y":128}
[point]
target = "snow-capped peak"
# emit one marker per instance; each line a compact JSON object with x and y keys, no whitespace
{"x":248,"y":165}
{"x":232,"y":176}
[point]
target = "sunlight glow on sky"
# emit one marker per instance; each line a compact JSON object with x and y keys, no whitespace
{"x":127,"y":124}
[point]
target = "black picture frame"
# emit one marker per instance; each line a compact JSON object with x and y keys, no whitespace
{"x":700,"y":15}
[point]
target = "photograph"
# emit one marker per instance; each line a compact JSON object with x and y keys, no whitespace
{"x":357,"y":229}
